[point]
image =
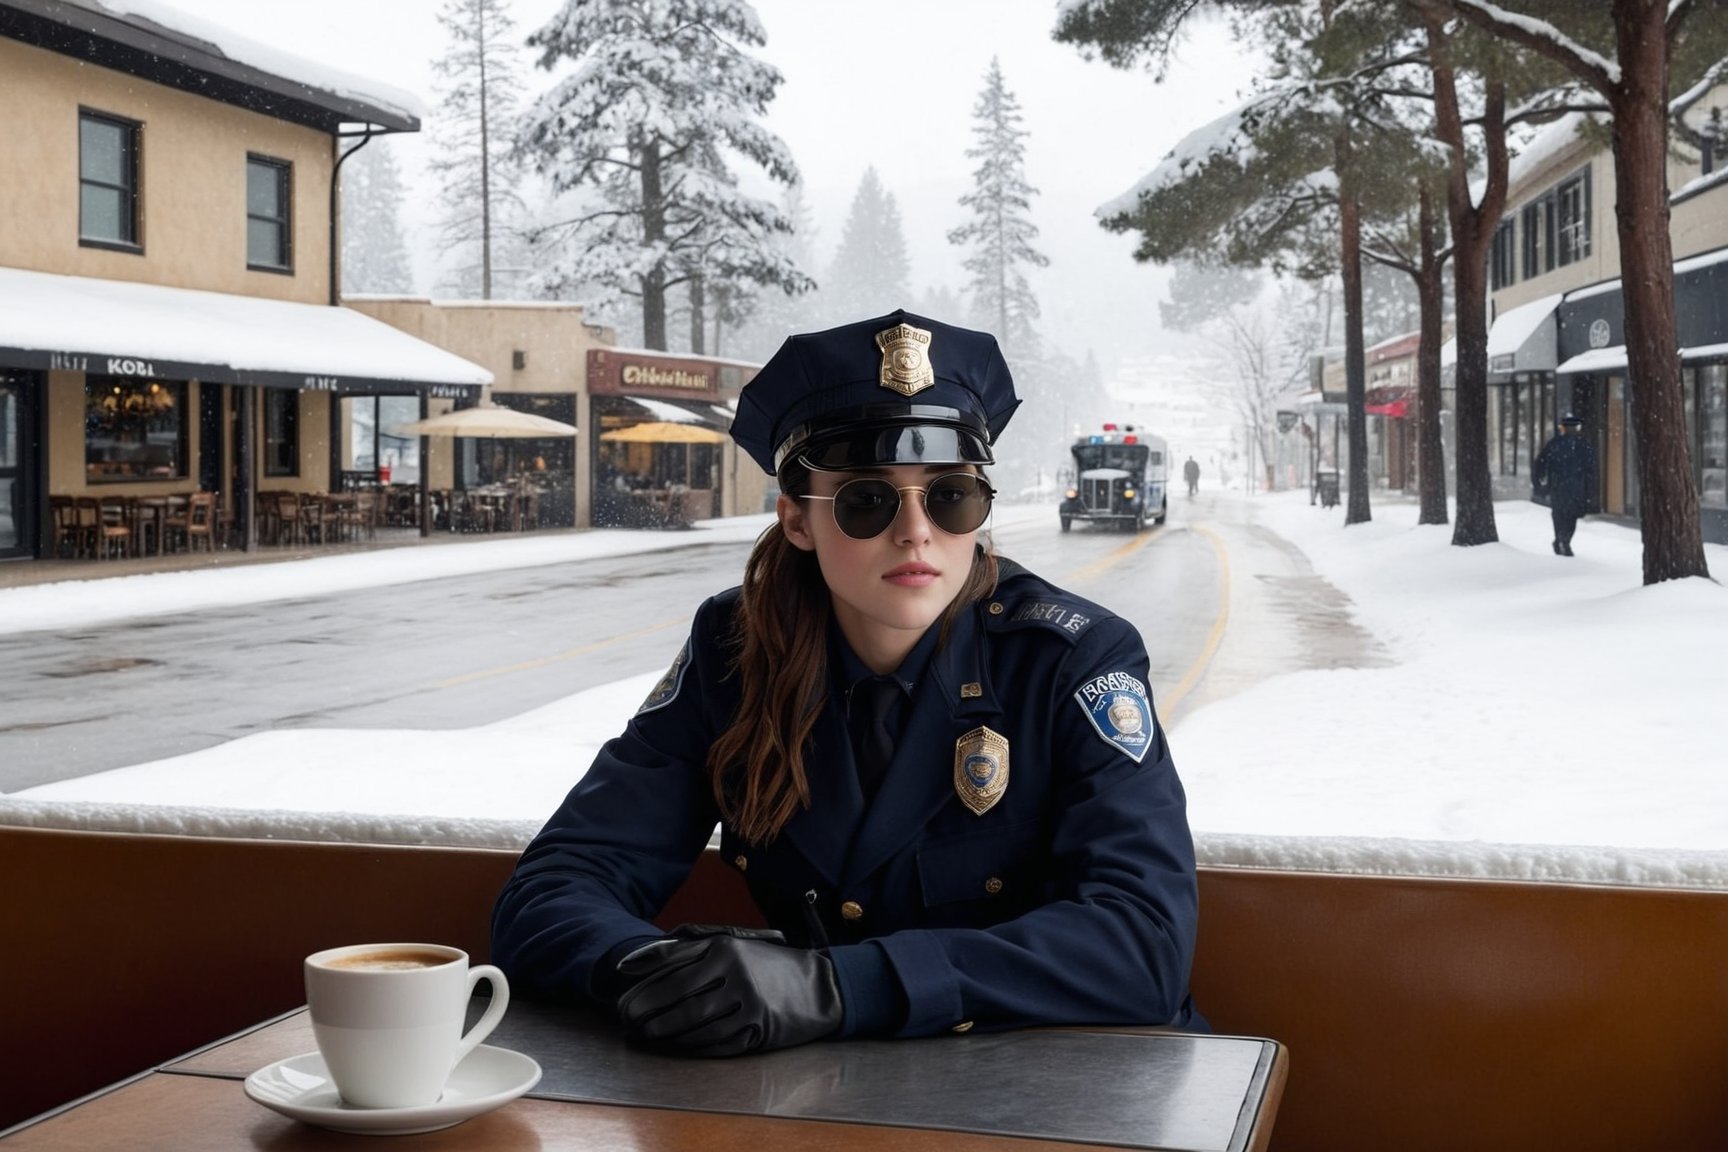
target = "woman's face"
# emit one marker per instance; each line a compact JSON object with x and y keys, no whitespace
{"x":889,"y":589}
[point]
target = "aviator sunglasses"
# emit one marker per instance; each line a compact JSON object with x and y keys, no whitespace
{"x":956,"y":502}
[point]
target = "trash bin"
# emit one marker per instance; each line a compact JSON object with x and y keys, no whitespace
{"x":1327,"y":483}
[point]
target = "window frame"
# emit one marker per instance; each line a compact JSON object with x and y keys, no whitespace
{"x":1537,"y":221}
{"x":282,"y":402}
{"x":1503,"y":256}
{"x":284,"y":172}
{"x":131,"y":193}
{"x":1572,"y":236}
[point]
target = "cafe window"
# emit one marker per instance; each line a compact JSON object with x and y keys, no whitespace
{"x":107,"y":181}
{"x":267,"y":201}
{"x":134,"y":429}
{"x":281,"y":432}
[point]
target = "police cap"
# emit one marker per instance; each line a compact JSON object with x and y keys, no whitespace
{"x":899,"y":389}
{"x":1571,"y":421}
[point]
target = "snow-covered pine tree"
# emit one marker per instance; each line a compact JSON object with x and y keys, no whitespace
{"x":765,"y":319}
{"x":474,"y":128}
{"x":374,"y":254}
{"x":871,"y":273}
{"x":1000,"y":234}
{"x":659,"y":87}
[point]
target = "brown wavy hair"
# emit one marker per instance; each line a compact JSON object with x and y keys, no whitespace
{"x":780,"y":655}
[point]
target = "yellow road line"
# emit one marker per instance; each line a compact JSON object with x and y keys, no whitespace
{"x":1214,"y":638}
{"x":1141,"y":539}
{"x":543,"y":661}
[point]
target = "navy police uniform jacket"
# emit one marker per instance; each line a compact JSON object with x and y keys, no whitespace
{"x":1071,"y":899}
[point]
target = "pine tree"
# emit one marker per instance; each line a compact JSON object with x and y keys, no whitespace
{"x":475,"y":135}
{"x":999,"y":233}
{"x":374,"y":255}
{"x":765,"y":319}
{"x":659,"y":89}
{"x":871,"y":273}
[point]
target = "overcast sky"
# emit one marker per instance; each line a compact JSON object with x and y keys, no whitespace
{"x":890,"y":83}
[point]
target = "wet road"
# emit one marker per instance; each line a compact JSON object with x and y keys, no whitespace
{"x":1222,"y":604}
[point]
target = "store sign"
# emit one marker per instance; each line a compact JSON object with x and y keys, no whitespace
{"x":1502,"y":362}
{"x":322,"y":383}
{"x":1600,"y":333}
{"x":613,"y":373}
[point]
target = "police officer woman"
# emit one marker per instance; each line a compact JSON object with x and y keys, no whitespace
{"x":941,"y":777}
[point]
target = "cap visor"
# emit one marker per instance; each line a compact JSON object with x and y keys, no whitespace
{"x":905,"y":444}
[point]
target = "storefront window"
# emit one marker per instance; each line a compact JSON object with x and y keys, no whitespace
{"x":1713,"y":448}
{"x":134,"y":429}
{"x":281,"y":432}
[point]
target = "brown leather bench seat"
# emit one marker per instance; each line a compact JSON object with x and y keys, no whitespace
{"x":1419,"y":1013}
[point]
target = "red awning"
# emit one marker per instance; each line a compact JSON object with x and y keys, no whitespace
{"x":1397,"y":408}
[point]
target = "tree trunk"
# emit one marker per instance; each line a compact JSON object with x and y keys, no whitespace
{"x":653,"y":233}
{"x":1667,"y":496}
{"x":485,"y":167}
{"x":698,"y":313}
{"x":1472,"y":231}
{"x":1355,"y":367}
{"x":1430,"y":296}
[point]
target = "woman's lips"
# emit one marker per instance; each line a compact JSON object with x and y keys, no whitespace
{"x":911,"y":575}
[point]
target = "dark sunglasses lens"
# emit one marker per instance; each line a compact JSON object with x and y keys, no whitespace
{"x":957,"y":504}
{"x":864,"y":508}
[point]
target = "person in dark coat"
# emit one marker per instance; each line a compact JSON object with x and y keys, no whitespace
{"x":942,"y":777}
{"x":1566,"y":470}
{"x":1191,"y":473}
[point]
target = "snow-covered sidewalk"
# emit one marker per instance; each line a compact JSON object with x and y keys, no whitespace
{"x":1544,"y":718}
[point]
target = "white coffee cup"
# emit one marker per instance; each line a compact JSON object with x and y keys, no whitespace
{"x":388,"y":1018}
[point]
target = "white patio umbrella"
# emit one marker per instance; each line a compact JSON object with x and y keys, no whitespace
{"x":487,"y":422}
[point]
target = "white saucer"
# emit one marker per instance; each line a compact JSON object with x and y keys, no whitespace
{"x":300,"y":1087}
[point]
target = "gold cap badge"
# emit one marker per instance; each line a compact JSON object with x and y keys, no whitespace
{"x":981,"y":769}
{"x":905,"y":359}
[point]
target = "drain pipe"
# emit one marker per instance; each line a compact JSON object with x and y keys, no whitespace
{"x":336,"y":212}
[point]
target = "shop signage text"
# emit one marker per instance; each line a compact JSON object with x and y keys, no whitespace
{"x":640,"y":375}
{"x":111,"y":365}
{"x":322,"y":383}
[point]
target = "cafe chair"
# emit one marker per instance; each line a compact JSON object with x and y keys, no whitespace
{"x":114,"y":537}
{"x":196,"y":521}
{"x":73,"y":537}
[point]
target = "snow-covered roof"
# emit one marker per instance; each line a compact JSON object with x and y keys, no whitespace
{"x":78,"y":323}
{"x":1611,"y":359}
{"x":147,"y":35}
{"x":1527,"y":335}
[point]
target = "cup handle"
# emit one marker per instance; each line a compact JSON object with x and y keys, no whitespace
{"x":494,"y":1011}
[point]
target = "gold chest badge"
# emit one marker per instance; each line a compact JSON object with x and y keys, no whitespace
{"x":905,"y":359}
{"x":981,"y":769}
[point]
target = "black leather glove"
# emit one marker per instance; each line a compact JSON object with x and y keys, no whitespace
{"x":726,"y":992}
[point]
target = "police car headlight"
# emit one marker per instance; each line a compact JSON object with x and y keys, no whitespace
{"x":1073,"y":494}
{"x":1128,"y":493}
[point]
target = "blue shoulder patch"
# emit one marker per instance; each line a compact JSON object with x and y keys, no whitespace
{"x":666,"y":690}
{"x":1120,"y":711}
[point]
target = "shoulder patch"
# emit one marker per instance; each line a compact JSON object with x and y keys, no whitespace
{"x":666,"y":690}
{"x":1120,"y":711}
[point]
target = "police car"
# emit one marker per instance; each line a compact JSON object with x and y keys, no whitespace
{"x":1120,"y":476}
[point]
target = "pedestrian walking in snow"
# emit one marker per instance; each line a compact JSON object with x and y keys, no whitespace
{"x":1566,"y":470}
{"x":1191,"y":473}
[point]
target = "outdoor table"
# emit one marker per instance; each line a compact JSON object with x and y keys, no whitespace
{"x":1053,"y":1090}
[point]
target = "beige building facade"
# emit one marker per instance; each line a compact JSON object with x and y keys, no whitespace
{"x":167,"y":320}
{"x":1557,"y":344}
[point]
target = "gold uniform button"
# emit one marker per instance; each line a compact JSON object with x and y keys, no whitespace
{"x":993,"y":885}
{"x":963,"y":1026}
{"x":740,"y":863}
{"x":995,"y":607}
{"x":852,"y":910}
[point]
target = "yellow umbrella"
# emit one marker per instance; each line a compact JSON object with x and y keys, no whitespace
{"x":664,"y":432}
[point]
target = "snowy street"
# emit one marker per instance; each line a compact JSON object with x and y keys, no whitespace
{"x":1496,"y":710}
